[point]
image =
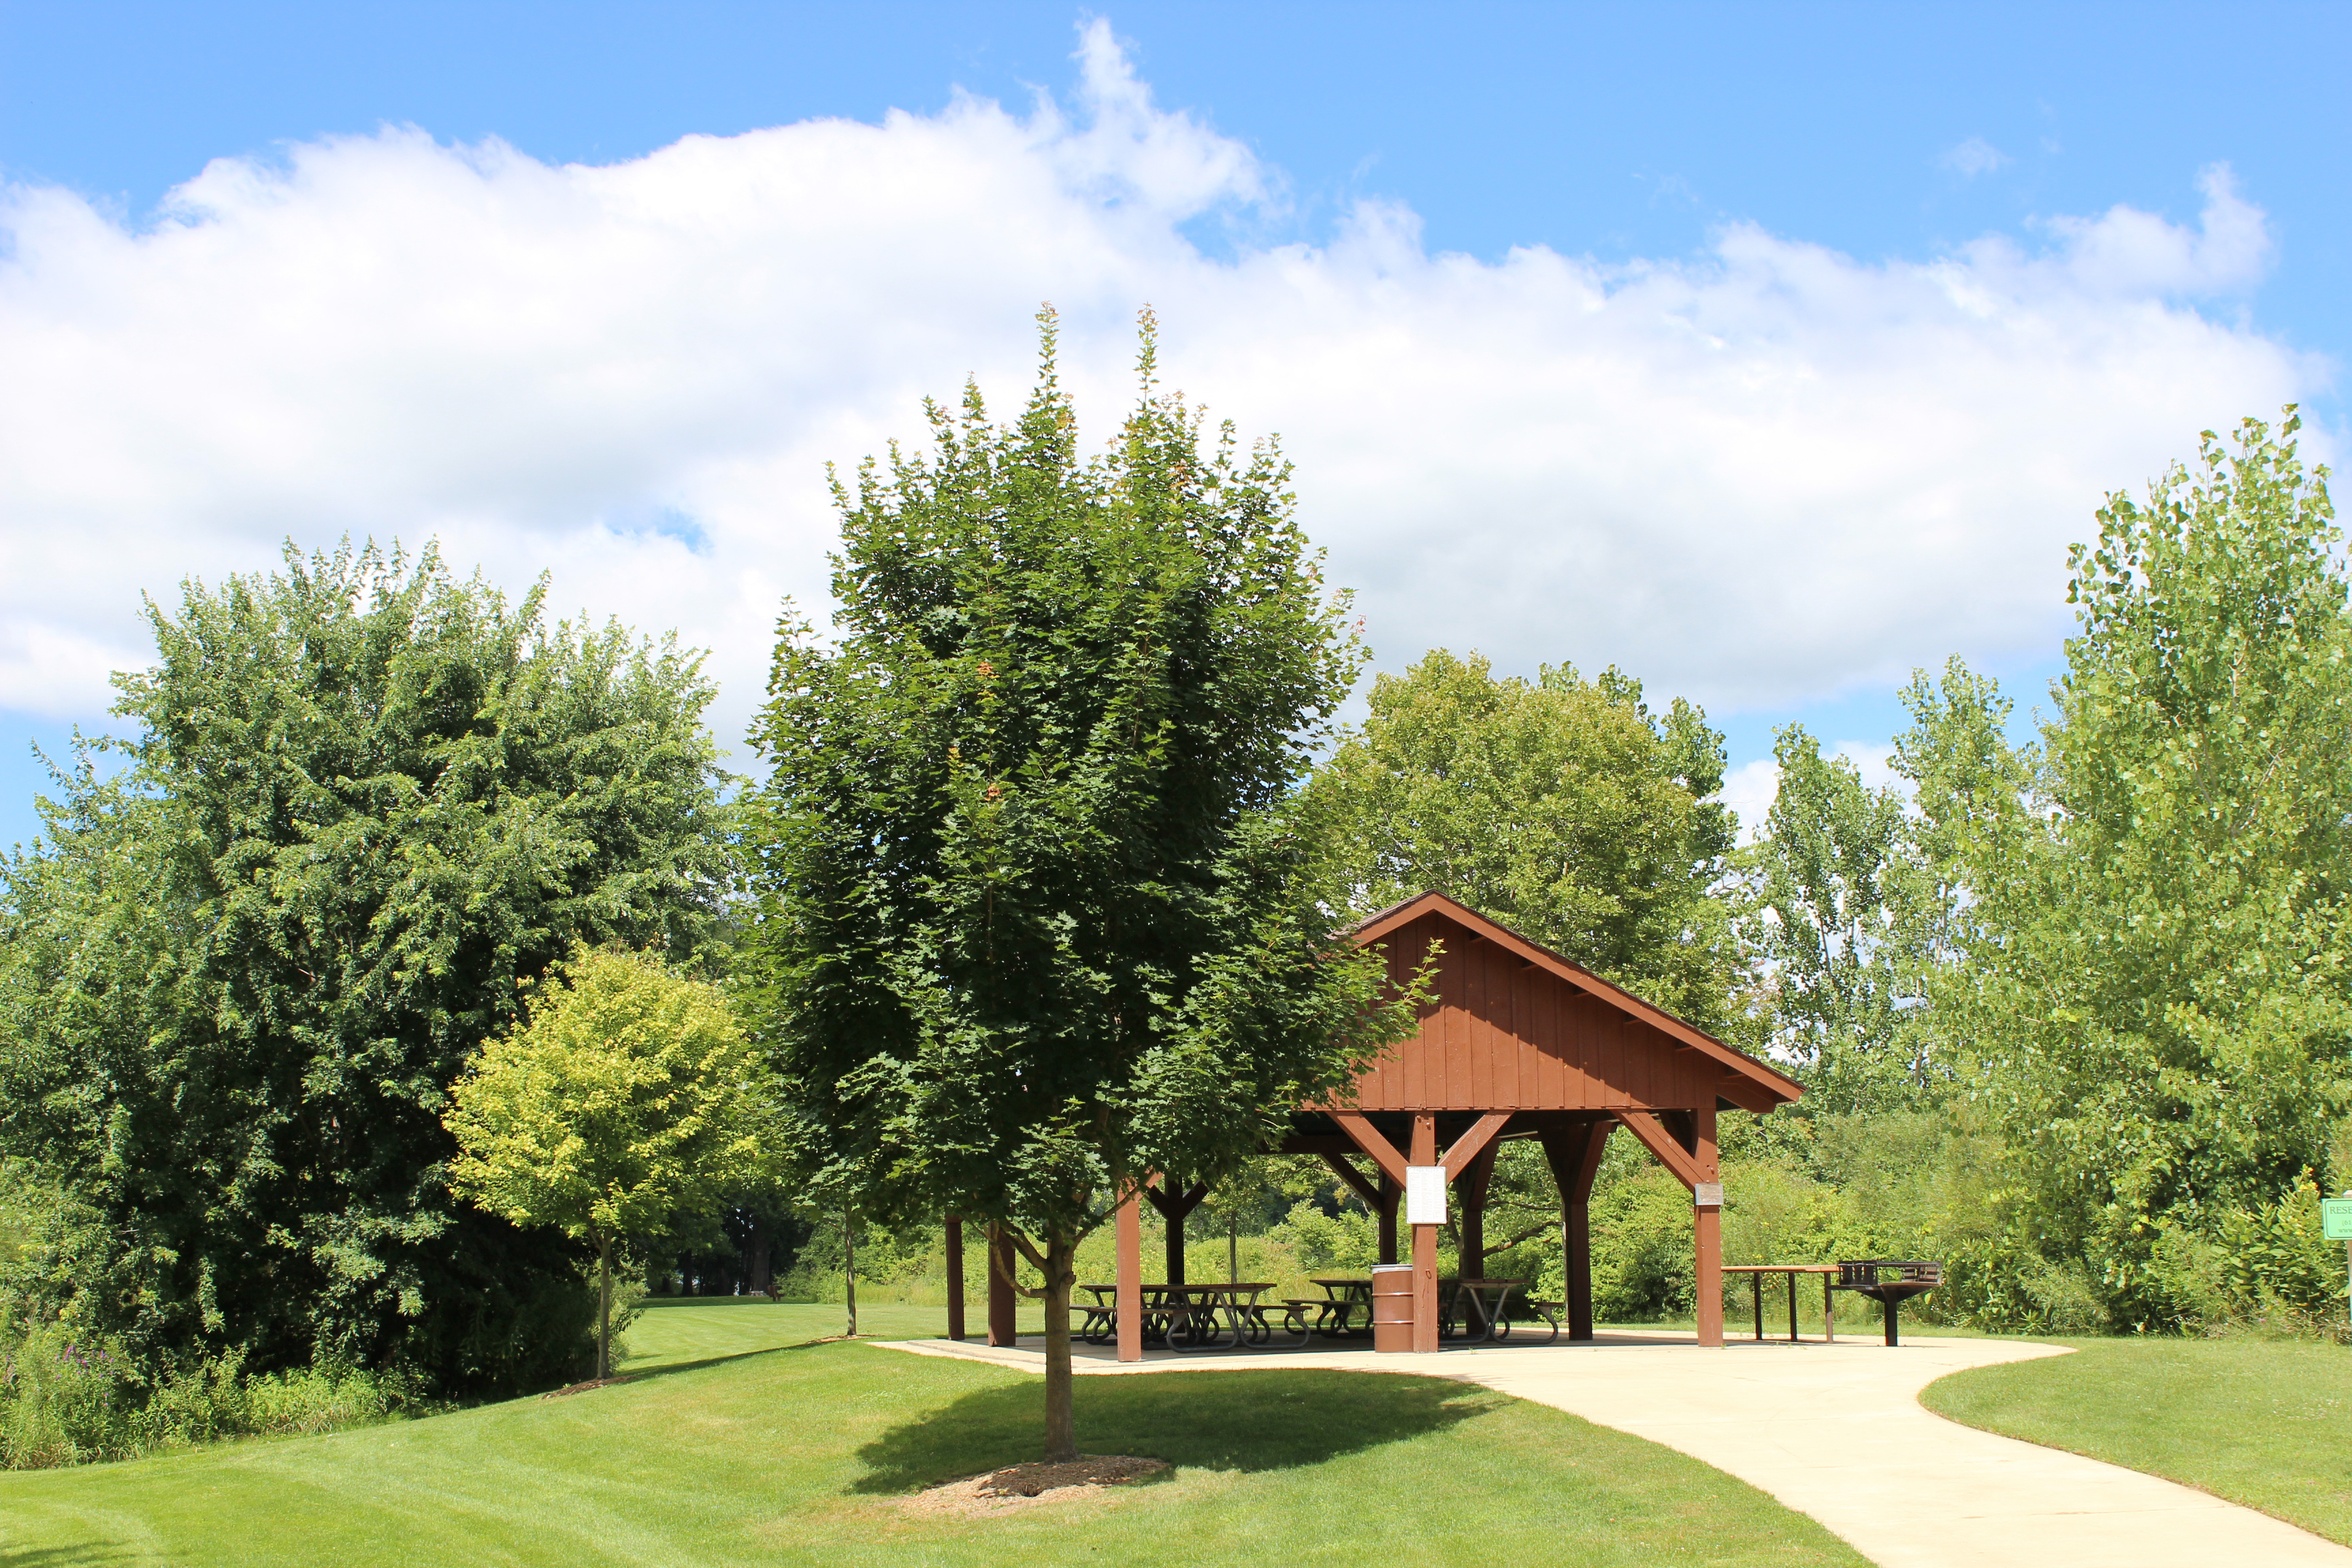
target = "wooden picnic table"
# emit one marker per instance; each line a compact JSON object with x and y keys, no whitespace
{"x":1756,"y":1272}
{"x":1486,"y":1304}
{"x":1222,"y":1316}
{"x":1341,"y":1300}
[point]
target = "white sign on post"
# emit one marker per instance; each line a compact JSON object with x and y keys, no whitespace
{"x":1708,"y":1195}
{"x":1425,"y":1194}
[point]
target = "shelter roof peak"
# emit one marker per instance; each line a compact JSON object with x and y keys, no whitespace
{"x":1373,"y":927}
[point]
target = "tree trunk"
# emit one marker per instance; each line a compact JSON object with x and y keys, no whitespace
{"x":604,"y":1307}
{"x":849,"y":1246}
{"x":760,"y":1279}
{"x":1061,"y":1416}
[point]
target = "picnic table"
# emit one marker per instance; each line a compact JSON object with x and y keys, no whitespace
{"x":1756,"y":1272}
{"x":1342,"y":1299}
{"x":1486,"y":1304}
{"x":1226,"y":1316}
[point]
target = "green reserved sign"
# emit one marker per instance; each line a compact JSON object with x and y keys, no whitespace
{"x":2336,"y":1219}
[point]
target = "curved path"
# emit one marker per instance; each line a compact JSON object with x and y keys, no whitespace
{"x":1835,"y":1431}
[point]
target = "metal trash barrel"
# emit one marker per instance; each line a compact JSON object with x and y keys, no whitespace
{"x":1392,"y":1306}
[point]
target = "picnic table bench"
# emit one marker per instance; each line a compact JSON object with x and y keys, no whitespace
{"x":1332,"y":1316}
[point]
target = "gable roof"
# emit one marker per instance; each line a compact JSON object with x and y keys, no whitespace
{"x":1776,"y":1085}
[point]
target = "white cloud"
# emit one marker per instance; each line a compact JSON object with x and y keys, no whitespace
{"x":1755,"y":477}
{"x":1973,"y":157}
{"x":1748,"y":789}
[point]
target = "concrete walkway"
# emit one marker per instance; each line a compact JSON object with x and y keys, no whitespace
{"x":1835,"y":1431}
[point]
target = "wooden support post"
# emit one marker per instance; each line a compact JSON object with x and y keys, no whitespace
{"x":1129,"y":1223}
{"x":1002,"y":1304}
{"x":1471,"y":1186}
{"x":1707,"y":1224}
{"x":1360,"y":1132}
{"x":955,"y":1277}
{"x":1575,"y":1159}
{"x":1389,"y":1193}
{"x":1175,"y":1208}
{"x":1424,"y":1244}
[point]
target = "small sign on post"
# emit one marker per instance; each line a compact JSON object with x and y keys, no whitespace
{"x":2336,"y":1225}
{"x":1425,"y":1194}
{"x":1707,"y":1195}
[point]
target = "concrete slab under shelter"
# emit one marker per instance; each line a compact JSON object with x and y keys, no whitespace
{"x":1834,"y":1431}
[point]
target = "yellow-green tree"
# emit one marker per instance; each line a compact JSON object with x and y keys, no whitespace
{"x":628,"y":1096}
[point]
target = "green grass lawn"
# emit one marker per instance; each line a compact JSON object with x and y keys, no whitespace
{"x":746,"y":1441}
{"x":2262,"y":1423}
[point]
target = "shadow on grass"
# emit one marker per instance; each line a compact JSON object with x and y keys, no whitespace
{"x":95,"y":1554}
{"x":1220,"y":1421}
{"x":639,"y":1375}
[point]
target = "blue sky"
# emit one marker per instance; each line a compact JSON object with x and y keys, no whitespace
{"x":1636,"y":144}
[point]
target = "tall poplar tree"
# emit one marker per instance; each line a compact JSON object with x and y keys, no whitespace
{"x":1032,"y":925}
{"x":2159,"y":1001}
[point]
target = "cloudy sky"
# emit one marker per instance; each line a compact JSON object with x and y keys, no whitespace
{"x":1765,"y":358}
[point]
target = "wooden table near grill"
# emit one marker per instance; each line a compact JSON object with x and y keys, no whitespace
{"x":1830,"y":1272}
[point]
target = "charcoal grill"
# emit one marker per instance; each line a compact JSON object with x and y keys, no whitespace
{"x":1888,"y":1280}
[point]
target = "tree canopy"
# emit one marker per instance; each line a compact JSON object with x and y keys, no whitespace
{"x":1032,"y":921}
{"x":1561,"y":807}
{"x":2158,"y":991}
{"x":365,"y":800}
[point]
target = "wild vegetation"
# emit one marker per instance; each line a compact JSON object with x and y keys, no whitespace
{"x":363,"y":804}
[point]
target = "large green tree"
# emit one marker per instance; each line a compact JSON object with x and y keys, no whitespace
{"x":1561,"y":807}
{"x":364,"y":802}
{"x":1032,"y":923}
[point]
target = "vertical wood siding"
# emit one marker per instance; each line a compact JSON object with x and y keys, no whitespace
{"x":1504,"y":1035}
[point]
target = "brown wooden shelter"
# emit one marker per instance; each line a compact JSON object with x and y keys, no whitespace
{"x":1520,"y":1042}
{"x":1517,"y":1042}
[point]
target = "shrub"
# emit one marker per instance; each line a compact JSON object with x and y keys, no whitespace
{"x":67,"y":1398}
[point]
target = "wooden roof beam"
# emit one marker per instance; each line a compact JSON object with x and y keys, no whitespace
{"x":1745,"y":1093}
{"x":1654,"y":1136}
{"x":1363,"y":1185}
{"x":1368,"y":1138}
{"x":1467,"y":1148}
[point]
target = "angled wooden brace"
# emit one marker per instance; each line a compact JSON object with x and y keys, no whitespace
{"x":1645,"y":1126}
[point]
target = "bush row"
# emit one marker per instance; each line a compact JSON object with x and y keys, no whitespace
{"x":67,"y":1398}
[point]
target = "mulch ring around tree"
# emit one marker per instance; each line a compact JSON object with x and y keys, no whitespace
{"x":1024,"y":1486}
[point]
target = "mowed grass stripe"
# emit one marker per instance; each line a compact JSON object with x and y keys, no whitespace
{"x":2262,"y":1423}
{"x":796,"y":1454}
